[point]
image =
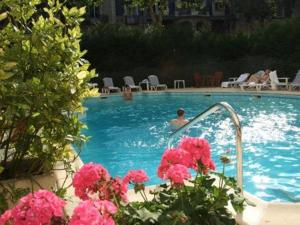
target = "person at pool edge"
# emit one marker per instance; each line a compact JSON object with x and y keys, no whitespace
{"x":180,"y":121}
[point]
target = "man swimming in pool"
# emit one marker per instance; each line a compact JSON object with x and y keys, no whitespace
{"x":180,"y":121}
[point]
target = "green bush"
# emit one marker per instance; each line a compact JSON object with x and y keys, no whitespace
{"x":276,"y":46}
{"x":43,"y":79}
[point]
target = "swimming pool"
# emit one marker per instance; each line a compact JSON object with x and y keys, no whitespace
{"x":133,"y":135}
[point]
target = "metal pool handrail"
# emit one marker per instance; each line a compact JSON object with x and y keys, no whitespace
{"x":237,"y":125}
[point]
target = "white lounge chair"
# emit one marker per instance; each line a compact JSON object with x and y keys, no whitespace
{"x":154,"y":83}
{"x":235,"y":81}
{"x":129,"y":82}
{"x":296,"y":81}
{"x":258,"y":86}
{"x":109,"y":85}
{"x":275,"y":80}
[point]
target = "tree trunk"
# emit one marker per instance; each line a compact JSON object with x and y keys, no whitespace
{"x":156,"y":19}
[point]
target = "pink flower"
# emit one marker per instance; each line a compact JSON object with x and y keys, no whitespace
{"x":94,"y":179}
{"x":174,"y":156}
{"x":118,"y":189}
{"x":178,"y":173}
{"x":106,"y":207}
{"x":136,"y":176}
{"x":88,"y":178}
{"x":35,"y":209}
{"x":199,"y":149}
{"x":5,"y":217}
{"x":93,"y":213}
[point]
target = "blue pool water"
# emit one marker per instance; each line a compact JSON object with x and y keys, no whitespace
{"x":133,"y":135}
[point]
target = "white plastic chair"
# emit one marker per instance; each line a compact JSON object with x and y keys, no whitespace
{"x":154,"y":83}
{"x":275,"y":81}
{"x":109,"y":85}
{"x":235,"y":81}
{"x":129,"y":82}
{"x":296,"y":82}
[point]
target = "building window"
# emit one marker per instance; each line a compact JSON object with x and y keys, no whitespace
{"x":219,"y":6}
{"x":119,"y":7}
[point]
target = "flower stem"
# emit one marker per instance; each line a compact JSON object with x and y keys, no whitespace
{"x":145,"y":195}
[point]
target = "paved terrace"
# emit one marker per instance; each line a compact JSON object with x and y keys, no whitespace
{"x":235,"y":90}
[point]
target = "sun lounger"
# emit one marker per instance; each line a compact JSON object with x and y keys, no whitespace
{"x":109,"y":85}
{"x":263,"y":82}
{"x":129,"y":82}
{"x":258,"y":86}
{"x":275,"y":81}
{"x":216,"y":79}
{"x":296,"y":81}
{"x":235,"y":81}
{"x":154,"y":83}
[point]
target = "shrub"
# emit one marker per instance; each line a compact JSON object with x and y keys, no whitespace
{"x":274,"y":46}
{"x":43,"y":80}
{"x":184,"y":201}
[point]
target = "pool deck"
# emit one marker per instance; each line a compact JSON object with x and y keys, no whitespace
{"x":233,"y":90}
{"x":219,"y":90}
{"x":264,"y":213}
{"x":229,"y":90}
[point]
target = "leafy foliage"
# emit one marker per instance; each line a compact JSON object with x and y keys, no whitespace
{"x":203,"y":201}
{"x":148,"y":7}
{"x":43,"y":79}
{"x":174,"y":52}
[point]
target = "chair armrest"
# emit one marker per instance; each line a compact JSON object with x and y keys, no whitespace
{"x":285,"y":79}
{"x":233,"y":78}
{"x":92,"y":85}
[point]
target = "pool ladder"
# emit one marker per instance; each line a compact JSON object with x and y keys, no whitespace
{"x":237,"y":125}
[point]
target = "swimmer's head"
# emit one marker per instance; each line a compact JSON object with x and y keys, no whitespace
{"x":180,"y":112}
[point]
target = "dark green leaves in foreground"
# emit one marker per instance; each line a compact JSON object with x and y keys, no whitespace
{"x":43,"y":80}
{"x":204,"y":200}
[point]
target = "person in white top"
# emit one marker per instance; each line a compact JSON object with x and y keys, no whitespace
{"x":180,"y":121}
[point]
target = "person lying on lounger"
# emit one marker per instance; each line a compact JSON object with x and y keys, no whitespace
{"x":260,"y":76}
{"x":180,"y":121}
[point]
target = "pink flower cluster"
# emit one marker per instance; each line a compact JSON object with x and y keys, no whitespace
{"x":117,"y":188}
{"x":178,"y":173}
{"x":94,"y":178}
{"x":38,"y":208}
{"x":199,"y":149}
{"x":97,"y":212}
{"x":88,"y":179}
{"x":136,"y":177}
{"x":191,"y":153}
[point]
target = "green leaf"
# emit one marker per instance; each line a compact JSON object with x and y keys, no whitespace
{"x":82,"y":74}
{"x":82,"y":11}
{"x":5,"y":75}
{"x":146,"y":215}
{"x":35,"y":114}
{"x":3,"y":16}
{"x":1,"y":169}
{"x":9,"y":66}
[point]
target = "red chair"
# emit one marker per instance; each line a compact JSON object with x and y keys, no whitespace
{"x":216,"y":79}
{"x":197,"y":79}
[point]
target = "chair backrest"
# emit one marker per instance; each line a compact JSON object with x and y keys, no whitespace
{"x":297,"y":78}
{"x":243,"y":77}
{"x":108,"y":82}
{"x":153,"y":79}
{"x":129,"y":81}
{"x":273,"y":77}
